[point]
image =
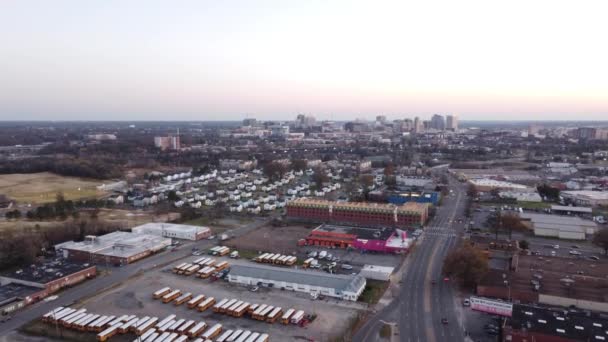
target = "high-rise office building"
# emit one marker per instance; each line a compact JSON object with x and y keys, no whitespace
{"x":451,"y":123}
{"x":438,"y":122}
{"x":417,"y":125}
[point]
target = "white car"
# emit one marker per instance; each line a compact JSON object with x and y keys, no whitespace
{"x":573,"y":252}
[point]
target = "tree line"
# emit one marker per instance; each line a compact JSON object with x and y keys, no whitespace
{"x":66,"y":166}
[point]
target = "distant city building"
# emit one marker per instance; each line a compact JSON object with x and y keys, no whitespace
{"x":249,"y":122}
{"x":589,"y":133}
{"x":305,"y":121}
{"x":101,"y":137}
{"x":279,"y":130}
{"x":438,"y":122}
{"x":381,"y":119}
{"x":452,"y":123}
{"x":417,"y":125}
{"x":167,"y":143}
{"x":533,"y":129}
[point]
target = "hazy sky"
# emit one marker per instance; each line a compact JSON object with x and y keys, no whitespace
{"x":222,"y":59}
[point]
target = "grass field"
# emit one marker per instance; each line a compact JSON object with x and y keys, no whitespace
{"x":43,"y":187}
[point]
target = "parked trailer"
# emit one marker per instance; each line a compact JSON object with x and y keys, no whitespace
{"x":221,"y":266}
{"x":228,"y":304}
{"x":148,"y":325}
{"x":224,"y":336}
{"x":192,"y":303}
{"x":234,"y":335}
{"x":287,"y":315}
{"x":240,"y":311}
{"x":297,"y":317}
{"x":254,"y":336}
{"x":212,"y":332}
{"x":183,"y":298}
{"x":242,"y":337}
{"x":206,"y":304}
{"x":165,"y":320}
{"x":184,"y":327}
{"x":106,"y":334}
{"x":274,"y":315}
{"x":197,"y":329}
{"x":171,"y":296}
{"x":179,"y":267}
{"x":158,"y":294}
{"x":263,"y":338}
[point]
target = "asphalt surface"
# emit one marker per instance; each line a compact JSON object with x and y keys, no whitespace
{"x":116,"y":275}
{"x":419,"y":308}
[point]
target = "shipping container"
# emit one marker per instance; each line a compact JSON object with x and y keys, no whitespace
{"x":106,"y":334}
{"x":197,"y":329}
{"x":158,"y":294}
{"x":212,"y":332}
{"x":274,"y":315}
{"x":183,"y":298}
{"x":297,"y":317}
{"x":171,"y":296}
{"x":206,"y":304}
{"x":192,"y":303}
{"x":287,"y":315}
{"x":224,"y":336}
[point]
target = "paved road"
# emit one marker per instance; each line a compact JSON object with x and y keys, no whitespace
{"x":115,"y":276}
{"x":420,"y":306}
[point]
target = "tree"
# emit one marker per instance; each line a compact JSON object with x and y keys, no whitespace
{"x":389,"y":170}
{"x":523,"y":244}
{"x":172,"y":196}
{"x":366,"y":180}
{"x":299,"y":164}
{"x":467,"y":264}
{"x":548,"y":192}
{"x":472,"y":191}
{"x":319,"y":177}
{"x":600,"y":239}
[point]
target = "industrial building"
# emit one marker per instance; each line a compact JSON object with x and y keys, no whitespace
{"x":347,"y":287}
{"x":376,"y":272}
{"x":431,"y":197}
{"x":586,"y":197}
{"x":117,"y":248}
{"x":367,"y":214}
{"x":382,"y":240}
{"x":486,"y":184}
{"x":171,"y":230}
{"x":534,"y":323}
{"x":37,"y":281}
{"x":558,"y":226}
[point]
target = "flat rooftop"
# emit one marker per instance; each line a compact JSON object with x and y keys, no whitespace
{"x":160,"y":226}
{"x":361,"y":233}
{"x":339,"y":282}
{"x":45,"y":272}
{"x":12,"y":291}
{"x":118,"y":244}
{"x":557,"y":221}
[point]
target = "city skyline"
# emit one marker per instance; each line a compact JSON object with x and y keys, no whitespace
{"x":271,"y":60}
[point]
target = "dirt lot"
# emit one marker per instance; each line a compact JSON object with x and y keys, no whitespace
{"x":268,"y":238}
{"x":43,"y":187}
{"x":334,"y":316}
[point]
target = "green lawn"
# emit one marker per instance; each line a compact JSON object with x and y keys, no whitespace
{"x":373,"y":291}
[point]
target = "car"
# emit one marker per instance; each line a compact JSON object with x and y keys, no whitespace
{"x":553,"y":253}
{"x":211,"y":237}
{"x":593,"y":257}
{"x":444,"y":321}
{"x":197,"y":253}
{"x":254,"y":289}
{"x":573,"y":252}
{"x":556,"y":246}
{"x":446,"y":279}
{"x":466,"y":302}
{"x":575,"y":246}
{"x":346,"y":267}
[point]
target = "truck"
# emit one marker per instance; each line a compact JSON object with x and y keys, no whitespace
{"x":322,"y":254}
{"x":224,"y":237}
{"x":171,"y":296}
{"x":206,"y":304}
{"x":192,"y":303}
{"x":234,"y":254}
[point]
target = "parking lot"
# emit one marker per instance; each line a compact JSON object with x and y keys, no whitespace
{"x":135,"y":297}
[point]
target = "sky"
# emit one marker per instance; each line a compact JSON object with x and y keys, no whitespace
{"x":337,"y":60}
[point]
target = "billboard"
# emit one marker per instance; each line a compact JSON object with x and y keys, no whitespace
{"x":492,"y":306}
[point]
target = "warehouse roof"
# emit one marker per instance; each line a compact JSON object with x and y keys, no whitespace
{"x":13,"y":291}
{"x":585,"y":210}
{"x":45,"y":272}
{"x":360,"y":233}
{"x":351,"y":283}
{"x":119,"y":244}
{"x":169,"y":227}
{"x":596,"y":195}
{"x":557,"y":220}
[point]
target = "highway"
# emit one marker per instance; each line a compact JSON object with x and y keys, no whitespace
{"x":117,"y":275}
{"x":420,"y":306}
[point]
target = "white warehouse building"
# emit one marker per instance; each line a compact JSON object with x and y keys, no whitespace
{"x":171,"y":230}
{"x":347,"y":287}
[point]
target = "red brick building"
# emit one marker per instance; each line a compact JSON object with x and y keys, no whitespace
{"x":410,"y":214}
